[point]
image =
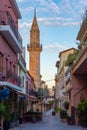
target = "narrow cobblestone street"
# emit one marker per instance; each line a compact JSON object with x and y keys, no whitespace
{"x":49,"y":123}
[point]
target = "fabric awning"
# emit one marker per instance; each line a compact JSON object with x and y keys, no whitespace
{"x":4,"y":94}
{"x":16,"y":88}
{"x":24,"y":94}
{"x":10,"y":85}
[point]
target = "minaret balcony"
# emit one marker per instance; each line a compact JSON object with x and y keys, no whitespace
{"x":34,"y":48}
{"x":10,"y":32}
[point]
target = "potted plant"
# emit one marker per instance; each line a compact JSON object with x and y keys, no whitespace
{"x":66,"y":106}
{"x":63,"y":115}
{"x":4,"y":115}
{"x":82,"y":113}
{"x":57,"y":109}
{"x":7,"y":113}
{"x":2,"y":110}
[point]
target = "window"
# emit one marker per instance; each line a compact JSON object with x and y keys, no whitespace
{"x":6,"y":65}
{"x":23,"y":81}
{"x":10,"y":65}
{"x":27,"y":87}
{"x":14,"y":69}
{"x":1,"y":62}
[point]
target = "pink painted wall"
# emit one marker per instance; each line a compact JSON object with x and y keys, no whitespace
{"x":5,"y":49}
{"x":7,"y":53}
{"x":5,"y":5}
{"x":79,"y":87}
{"x":29,"y":83}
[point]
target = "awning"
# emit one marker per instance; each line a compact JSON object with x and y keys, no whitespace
{"x":24,"y":94}
{"x":4,"y":94}
{"x":10,"y":85}
{"x":16,"y":88}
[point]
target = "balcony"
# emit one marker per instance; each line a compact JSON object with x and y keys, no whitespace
{"x":35,"y":48}
{"x":68,"y":80}
{"x":22,"y":61}
{"x":10,"y":32}
{"x":13,"y":78}
{"x":82,"y":46}
{"x":2,"y":76}
{"x":80,"y":64}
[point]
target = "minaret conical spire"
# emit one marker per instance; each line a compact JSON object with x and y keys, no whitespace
{"x":34,"y":23}
{"x":34,"y":12}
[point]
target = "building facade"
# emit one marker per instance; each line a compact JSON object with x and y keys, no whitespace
{"x":10,"y":47}
{"x":22,"y":69}
{"x":10,"y":41}
{"x":79,"y":70}
{"x":61,"y":78}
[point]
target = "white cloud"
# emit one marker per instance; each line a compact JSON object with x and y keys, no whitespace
{"x":26,"y":10}
{"x":20,"y":0}
{"x":41,"y":5}
{"x":24,"y":24}
{"x":55,"y":47}
{"x":52,"y":21}
{"x":54,"y":18}
{"x":62,"y":23}
{"x":69,"y":7}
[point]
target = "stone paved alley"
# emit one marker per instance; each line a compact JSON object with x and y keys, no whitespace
{"x":49,"y":123}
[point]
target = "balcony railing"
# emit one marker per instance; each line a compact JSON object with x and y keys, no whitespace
{"x":6,"y":19}
{"x":82,"y":47}
{"x":22,"y":60}
{"x":2,"y":76}
{"x":36,"y":46}
{"x":12,"y":77}
{"x":68,"y":80}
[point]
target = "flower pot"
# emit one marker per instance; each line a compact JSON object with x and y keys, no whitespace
{"x":64,"y":120}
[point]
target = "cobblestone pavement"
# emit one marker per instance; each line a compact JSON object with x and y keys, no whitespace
{"x":49,"y":123}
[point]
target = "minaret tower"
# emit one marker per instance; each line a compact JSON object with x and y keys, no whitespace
{"x":34,"y":52}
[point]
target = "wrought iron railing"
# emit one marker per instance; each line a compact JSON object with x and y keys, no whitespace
{"x":2,"y":76}
{"x":36,"y":46}
{"x":68,"y":80}
{"x":6,"y":19}
{"x":12,"y":77}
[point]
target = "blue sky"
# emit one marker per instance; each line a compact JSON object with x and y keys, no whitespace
{"x":59,"y":22}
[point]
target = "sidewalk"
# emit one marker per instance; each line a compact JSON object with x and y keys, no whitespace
{"x":49,"y":123}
